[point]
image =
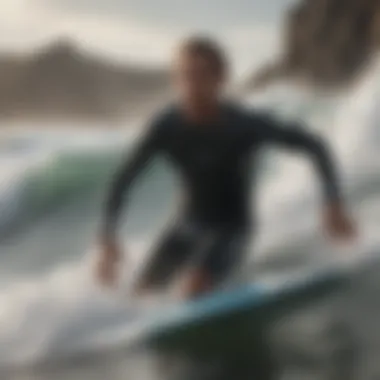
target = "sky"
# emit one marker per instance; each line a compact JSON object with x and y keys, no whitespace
{"x":143,"y":30}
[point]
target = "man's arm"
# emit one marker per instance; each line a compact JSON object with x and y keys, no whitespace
{"x":110,"y":254}
{"x":141,"y":154}
{"x":337,"y":223}
{"x":297,"y":139}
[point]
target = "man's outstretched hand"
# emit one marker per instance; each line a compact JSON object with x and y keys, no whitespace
{"x":338,"y":225}
{"x":108,"y":261}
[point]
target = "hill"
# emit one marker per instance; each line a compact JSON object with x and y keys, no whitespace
{"x":62,"y":82}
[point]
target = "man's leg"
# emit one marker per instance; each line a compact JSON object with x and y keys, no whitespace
{"x":220,"y":259}
{"x":170,"y":255}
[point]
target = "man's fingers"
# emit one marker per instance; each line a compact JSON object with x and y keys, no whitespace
{"x":345,"y":229}
{"x":105,"y":273}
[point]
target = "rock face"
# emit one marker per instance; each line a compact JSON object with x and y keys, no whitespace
{"x":328,"y":43}
{"x":61,"y":82}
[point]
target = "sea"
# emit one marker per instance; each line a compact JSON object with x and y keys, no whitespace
{"x":55,"y":319}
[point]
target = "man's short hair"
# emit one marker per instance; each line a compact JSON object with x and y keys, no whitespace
{"x":207,"y":48}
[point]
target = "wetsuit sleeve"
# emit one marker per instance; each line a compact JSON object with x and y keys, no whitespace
{"x":147,"y":146}
{"x":295,"y":138}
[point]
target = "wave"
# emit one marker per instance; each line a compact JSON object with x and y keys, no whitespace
{"x":63,"y":311}
{"x":34,"y":184}
{"x":69,"y":311}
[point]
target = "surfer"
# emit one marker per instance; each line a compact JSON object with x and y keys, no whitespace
{"x":213,"y":144}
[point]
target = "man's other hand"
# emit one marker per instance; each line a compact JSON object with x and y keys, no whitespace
{"x":338,"y":225}
{"x":108,"y":261}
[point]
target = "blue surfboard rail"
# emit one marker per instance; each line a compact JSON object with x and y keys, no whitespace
{"x":246,"y":298}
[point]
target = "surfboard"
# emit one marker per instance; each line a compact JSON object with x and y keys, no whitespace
{"x":234,"y":318}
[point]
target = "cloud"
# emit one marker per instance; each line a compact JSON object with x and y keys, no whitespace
{"x":183,"y":13}
{"x":129,"y":29}
{"x":27,"y":23}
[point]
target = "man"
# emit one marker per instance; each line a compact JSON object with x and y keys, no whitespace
{"x":212,"y":144}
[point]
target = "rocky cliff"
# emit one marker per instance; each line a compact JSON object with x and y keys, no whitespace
{"x":327,"y":43}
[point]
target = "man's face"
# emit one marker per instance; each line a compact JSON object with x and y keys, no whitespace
{"x":196,"y":79}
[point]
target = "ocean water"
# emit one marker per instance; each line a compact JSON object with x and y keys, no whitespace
{"x":51,"y":196}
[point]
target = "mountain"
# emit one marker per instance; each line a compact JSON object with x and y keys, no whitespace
{"x":62,"y":82}
{"x":328,"y":43}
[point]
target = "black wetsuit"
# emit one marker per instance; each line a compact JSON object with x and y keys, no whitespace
{"x":216,"y":163}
